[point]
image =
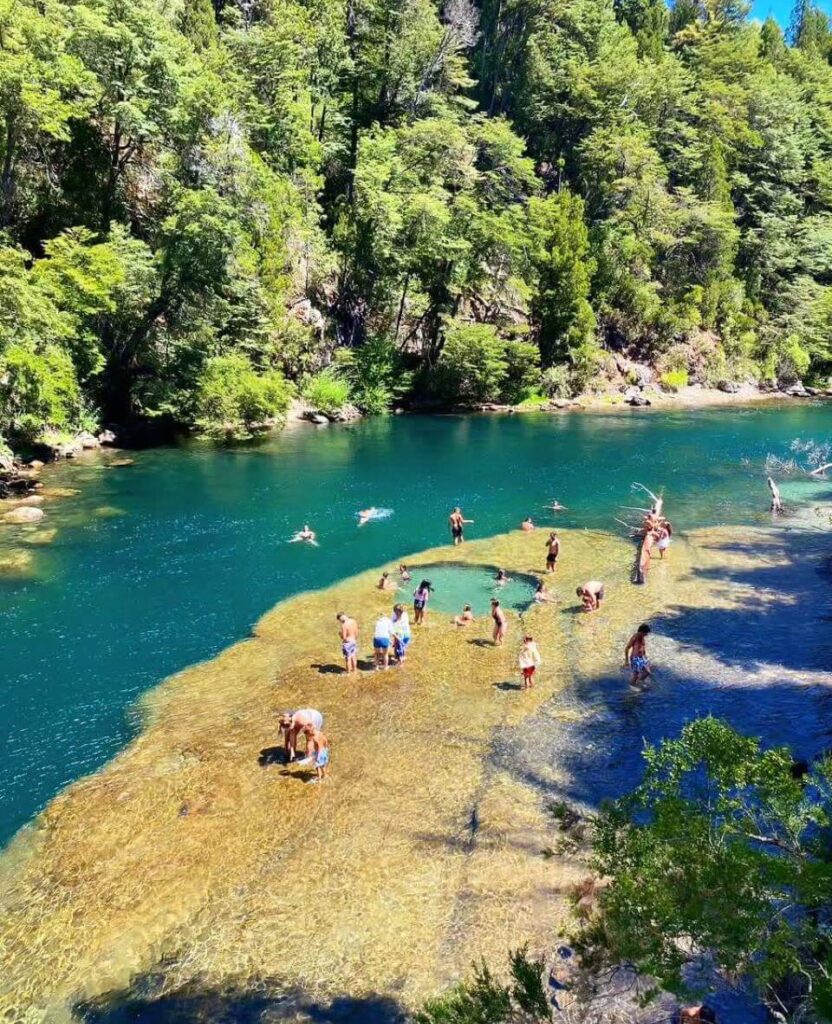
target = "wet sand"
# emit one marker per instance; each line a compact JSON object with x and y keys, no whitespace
{"x":188,"y":876}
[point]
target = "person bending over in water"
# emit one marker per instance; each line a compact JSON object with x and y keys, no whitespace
{"x":385,"y":583}
{"x":529,"y":661}
{"x":457,"y":523}
{"x":317,"y":746}
{"x":591,"y":595}
{"x":542,"y":594}
{"x":306,"y":535}
{"x":400,"y":632}
{"x":404,"y":574}
{"x":382,"y":636}
{"x":292,"y":723}
{"x":349,"y":640}
{"x":466,"y":618}
{"x":635,"y":656}
{"x":501,"y":578}
{"x":527,"y":525}
{"x":500,"y":622}
{"x":552,"y":551}
{"x":421,"y":596}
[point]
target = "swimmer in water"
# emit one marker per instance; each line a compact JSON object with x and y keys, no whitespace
{"x":404,"y":574}
{"x":465,"y":619}
{"x":317,"y":746}
{"x":555,"y":506}
{"x":635,"y":656}
{"x":501,"y":578}
{"x":542,"y":594}
{"x":306,"y":535}
{"x":292,"y":723}
{"x":527,"y":525}
{"x":366,"y":515}
{"x":591,"y":595}
{"x":385,"y":583}
{"x":349,"y":641}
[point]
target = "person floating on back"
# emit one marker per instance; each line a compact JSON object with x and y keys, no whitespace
{"x":457,"y":524}
{"x":306,"y":535}
{"x":552,"y":551}
{"x":529,"y":661}
{"x":591,"y":595}
{"x":349,"y":640}
{"x":292,"y":724}
{"x":365,"y":515}
{"x":635,"y":656}
{"x":421,"y":596}
{"x":500,"y":623}
{"x":317,"y":746}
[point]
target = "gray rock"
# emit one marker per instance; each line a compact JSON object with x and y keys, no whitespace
{"x":730,"y":387}
{"x":23,"y":514}
{"x":316,"y":417}
{"x":87,"y":441}
{"x":36,"y":464}
{"x":107,"y":437}
{"x":638,"y":401}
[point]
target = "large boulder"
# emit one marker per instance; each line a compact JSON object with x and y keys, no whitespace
{"x":31,"y":500}
{"x":107,"y":437}
{"x":23,"y":514}
{"x":87,"y":441}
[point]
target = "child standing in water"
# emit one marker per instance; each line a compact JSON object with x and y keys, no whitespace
{"x":318,"y":746}
{"x":635,"y":655}
{"x":529,"y":660}
{"x":421,"y":596}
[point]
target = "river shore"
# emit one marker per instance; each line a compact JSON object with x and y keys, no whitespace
{"x":195,"y":870}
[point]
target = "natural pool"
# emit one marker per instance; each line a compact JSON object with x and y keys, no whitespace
{"x":176,"y":882}
{"x":166,"y":562}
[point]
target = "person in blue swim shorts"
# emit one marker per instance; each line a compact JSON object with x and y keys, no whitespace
{"x":349,"y":641}
{"x":635,"y":656}
{"x":317,"y":746}
{"x":382,"y":640}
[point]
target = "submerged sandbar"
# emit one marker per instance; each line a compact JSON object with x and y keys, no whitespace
{"x":188,"y":865}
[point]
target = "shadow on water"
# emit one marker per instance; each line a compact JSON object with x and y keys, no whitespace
{"x":760,"y":662}
{"x":261,"y":1002}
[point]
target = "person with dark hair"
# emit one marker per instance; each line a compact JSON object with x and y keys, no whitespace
{"x":500,"y":622}
{"x":552,"y":551}
{"x":635,"y":656}
{"x":349,"y":641}
{"x":457,"y":523}
{"x":591,"y":595}
{"x":421,"y":596}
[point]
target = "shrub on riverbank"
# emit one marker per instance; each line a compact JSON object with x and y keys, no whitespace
{"x":232,"y":397}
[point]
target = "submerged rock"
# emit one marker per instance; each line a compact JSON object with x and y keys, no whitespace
{"x":32,"y":499}
{"x":23,"y":514}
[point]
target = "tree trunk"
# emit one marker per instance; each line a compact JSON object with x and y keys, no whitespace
{"x":7,"y":179}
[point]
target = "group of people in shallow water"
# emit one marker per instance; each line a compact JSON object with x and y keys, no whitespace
{"x":392,"y":633}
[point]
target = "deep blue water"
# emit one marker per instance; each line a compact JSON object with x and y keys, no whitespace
{"x":198,"y":550}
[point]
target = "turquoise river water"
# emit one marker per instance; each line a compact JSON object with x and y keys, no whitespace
{"x":165,"y":562}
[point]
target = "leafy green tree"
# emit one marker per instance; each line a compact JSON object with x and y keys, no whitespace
{"x":231,"y":397}
{"x":38,"y":390}
{"x":472,"y":367}
{"x":376,"y":374}
{"x":721,"y":853}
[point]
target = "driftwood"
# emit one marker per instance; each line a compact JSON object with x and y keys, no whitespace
{"x":820,"y":469}
{"x":776,"y":500}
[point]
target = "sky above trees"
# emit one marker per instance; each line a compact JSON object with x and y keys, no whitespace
{"x":782,"y":9}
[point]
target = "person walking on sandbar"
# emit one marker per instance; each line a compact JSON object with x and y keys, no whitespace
{"x":349,"y":641}
{"x":500,"y":623}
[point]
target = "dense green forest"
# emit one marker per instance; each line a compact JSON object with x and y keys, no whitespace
{"x":209,"y":206}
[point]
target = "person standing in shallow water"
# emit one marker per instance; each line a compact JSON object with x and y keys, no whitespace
{"x":349,"y":641}
{"x":382,"y":639}
{"x":317,"y":746}
{"x":529,"y":661}
{"x":635,"y":656}
{"x":457,"y":524}
{"x":500,"y":623}
{"x":552,"y":551}
{"x":591,"y":595}
{"x":421,"y":596}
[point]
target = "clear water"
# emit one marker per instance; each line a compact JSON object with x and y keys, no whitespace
{"x":458,"y":585}
{"x":166,"y":562}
